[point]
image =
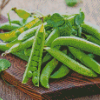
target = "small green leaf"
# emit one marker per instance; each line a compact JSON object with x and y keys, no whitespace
{"x":79,"y":18}
{"x":71,"y":3}
{"x":4,"y":64}
{"x":56,"y":20}
{"x":21,"y":13}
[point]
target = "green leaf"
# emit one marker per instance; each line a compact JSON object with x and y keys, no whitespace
{"x":4,"y":64}
{"x":21,"y":13}
{"x":56,"y":20}
{"x":71,"y":3}
{"x":79,"y":18}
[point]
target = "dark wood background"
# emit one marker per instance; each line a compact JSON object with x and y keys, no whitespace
{"x":92,"y":12}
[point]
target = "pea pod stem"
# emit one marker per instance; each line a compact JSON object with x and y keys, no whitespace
{"x":72,"y":64}
{"x":77,"y":43}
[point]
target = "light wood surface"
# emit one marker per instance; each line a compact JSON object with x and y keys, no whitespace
{"x":92,"y":12}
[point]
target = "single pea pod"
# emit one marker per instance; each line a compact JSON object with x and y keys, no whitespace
{"x":85,"y":59}
{"x":92,"y":39}
{"x":16,"y":22}
{"x":47,"y":70}
{"x":8,"y":27}
{"x":34,"y":63}
{"x":20,"y":46}
{"x":91,"y":29}
{"x":77,"y":43}
{"x":54,"y":34}
{"x":72,"y":64}
{"x":61,"y":72}
{"x":20,"y":54}
{"x":10,"y":36}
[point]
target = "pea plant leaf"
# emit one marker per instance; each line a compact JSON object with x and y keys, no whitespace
{"x":21,"y":13}
{"x":79,"y":18}
{"x":55,"y":20}
{"x":4,"y":64}
{"x":71,"y":3}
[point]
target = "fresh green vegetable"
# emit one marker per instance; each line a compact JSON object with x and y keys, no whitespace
{"x":85,"y":59}
{"x":9,"y":36}
{"x":8,"y":27}
{"x":77,"y":43}
{"x":21,"y":13}
{"x":71,"y":3}
{"x":91,"y":29}
{"x":61,"y":72}
{"x":20,"y":46}
{"x":4,"y":64}
{"x":72,"y":64}
{"x":34,"y":63}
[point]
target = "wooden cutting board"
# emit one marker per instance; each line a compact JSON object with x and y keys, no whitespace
{"x":73,"y":85}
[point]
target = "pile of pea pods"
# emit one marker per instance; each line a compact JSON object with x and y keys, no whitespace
{"x":53,"y":46}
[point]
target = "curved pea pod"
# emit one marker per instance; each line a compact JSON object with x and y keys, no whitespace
{"x":61,"y":72}
{"x":46,"y":58}
{"x":54,"y":34}
{"x":47,"y":70}
{"x":77,"y":43}
{"x":27,"y":34}
{"x":72,"y":64}
{"x":34,"y":63}
{"x":85,"y":59}
{"x":8,"y":27}
{"x":16,"y":22}
{"x":10,"y":36}
{"x":20,"y":46}
{"x":20,"y":54}
{"x":92,"y":39}
{"x":91,"y":29}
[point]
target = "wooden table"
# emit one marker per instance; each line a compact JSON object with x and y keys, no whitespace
{"x":91,"y":9}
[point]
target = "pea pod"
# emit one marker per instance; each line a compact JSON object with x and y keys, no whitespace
{"x":8,"y":27}
{"x":14,"y":34}
{"x":92,"y":39}
{"x":72,"y":64}
{"x":20,"y":54}
{"x":91,"y":29}
{"x":61,"y":72}
{"x":85,"y":59}
{"x":20,"y":46}
{"x":77,"y":43}
{"x":34,"y":63}
{"x":47,"y":70}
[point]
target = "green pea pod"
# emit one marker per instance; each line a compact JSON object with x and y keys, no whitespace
{"x":77,"y":43}
{"x":61,"y":72}
{"x":91,"y":29}
{"x":71,"y":3}
{"x":10,"y":36}
{"x":92,"y":39}
{"x":47,"y":70}
{"x":20,"y":54}
{"x":8,"y":27}
{"x":54,"y":34}
{"x":85,"y":59}
{"x":21,"y":13}
{"x":16,"y":22}
{"x":34,"y":63}
{"x":72,"y":64}
{"x":20,"y":46}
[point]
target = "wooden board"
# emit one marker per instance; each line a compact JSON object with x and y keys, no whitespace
{"x":72,"y":85}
